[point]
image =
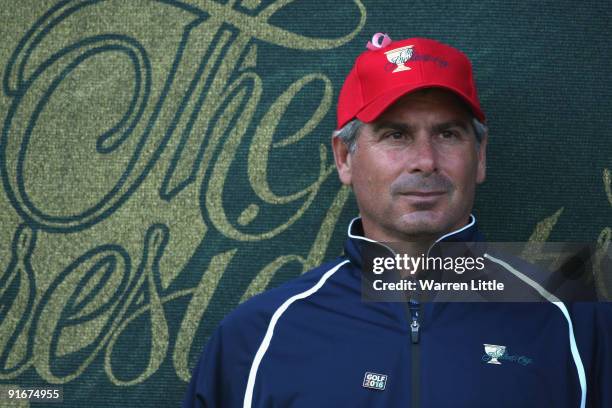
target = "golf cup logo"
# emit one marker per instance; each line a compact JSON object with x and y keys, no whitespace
{"x":495,"y":352}
{"x":399,"y":57}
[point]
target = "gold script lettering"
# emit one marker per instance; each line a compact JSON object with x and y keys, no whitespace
{"x":197,"y":306}
{"x":315,"y":255}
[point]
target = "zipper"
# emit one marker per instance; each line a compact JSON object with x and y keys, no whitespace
{"x":415,"y":325}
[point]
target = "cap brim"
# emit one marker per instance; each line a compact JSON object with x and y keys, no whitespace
{"x":371,"y":111}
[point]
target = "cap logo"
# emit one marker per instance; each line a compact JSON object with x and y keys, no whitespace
{"x":399,"y":56}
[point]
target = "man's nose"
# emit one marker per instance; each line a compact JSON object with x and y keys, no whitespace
{"x":424,"y":156}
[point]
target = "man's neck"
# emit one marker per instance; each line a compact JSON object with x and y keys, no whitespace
{"x":417,"y":241}
{"x":413,"y":246}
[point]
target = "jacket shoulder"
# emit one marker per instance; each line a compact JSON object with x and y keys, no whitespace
{"x":256,"y":312}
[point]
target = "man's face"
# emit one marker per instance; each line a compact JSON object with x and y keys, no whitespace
{"x":415,"y":168}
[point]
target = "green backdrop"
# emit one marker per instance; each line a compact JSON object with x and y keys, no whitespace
{"x":161,"y":161}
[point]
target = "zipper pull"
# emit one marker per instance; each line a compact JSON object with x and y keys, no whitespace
{"x":414,"y":326}
{"x":414,"y":329}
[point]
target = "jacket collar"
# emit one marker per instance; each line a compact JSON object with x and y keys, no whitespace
{"x":356,"y":239}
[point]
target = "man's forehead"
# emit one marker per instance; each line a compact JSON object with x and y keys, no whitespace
{"x":442,"y":104}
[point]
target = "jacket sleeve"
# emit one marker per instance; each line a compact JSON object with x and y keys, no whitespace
{"x":220,"y":377}
{"x":602,"y":391}
{"x":205,"y":387}
{"x":593,"y":331}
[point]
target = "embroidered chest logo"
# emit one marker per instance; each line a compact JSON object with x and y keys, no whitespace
{"x":399,"y":56}
{"x":494,"y":353}
{"x":375,"y":381}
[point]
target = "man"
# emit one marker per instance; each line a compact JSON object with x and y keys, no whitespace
{"x":412,"y":145}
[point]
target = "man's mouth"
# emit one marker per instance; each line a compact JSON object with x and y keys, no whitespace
{"x":424,"y":194}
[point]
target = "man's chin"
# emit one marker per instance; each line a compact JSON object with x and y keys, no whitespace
{"x":422,"y":223}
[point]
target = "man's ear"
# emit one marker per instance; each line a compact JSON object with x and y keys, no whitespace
{"x":481,"y":172}
{"x":343,"y":159}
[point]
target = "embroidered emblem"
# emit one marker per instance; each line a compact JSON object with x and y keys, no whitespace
{"x":399,"y":56}
{"x":494,"y":353}
{"x":375,"y":381}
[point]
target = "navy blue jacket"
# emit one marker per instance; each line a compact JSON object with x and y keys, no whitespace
{"x":313,"y":342}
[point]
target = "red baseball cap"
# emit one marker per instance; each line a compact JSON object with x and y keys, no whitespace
{"x":382,"y":75}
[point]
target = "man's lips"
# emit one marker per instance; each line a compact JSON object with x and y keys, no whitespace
{"x":423,"y":194}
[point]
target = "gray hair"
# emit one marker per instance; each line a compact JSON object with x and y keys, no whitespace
{"x":349,"y":132}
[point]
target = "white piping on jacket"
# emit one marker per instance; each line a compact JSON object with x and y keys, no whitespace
{"x":263,"y":347}
{"x":555,"y":301}
{"x":469,"y":224}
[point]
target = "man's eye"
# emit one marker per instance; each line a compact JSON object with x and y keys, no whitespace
{"x":394,"y":135}
{"x":449,"y":134}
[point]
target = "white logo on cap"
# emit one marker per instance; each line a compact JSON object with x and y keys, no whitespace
{"x":399,"y":56}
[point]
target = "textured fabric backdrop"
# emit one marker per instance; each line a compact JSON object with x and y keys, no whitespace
{"x":162,"y":161}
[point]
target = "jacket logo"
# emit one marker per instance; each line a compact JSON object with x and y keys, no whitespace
{"x":494,"y":353}
{"x":399,"y":56}
{"x":375,"y":381}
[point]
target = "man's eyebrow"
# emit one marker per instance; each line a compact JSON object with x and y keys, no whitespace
{"x":393,"y":125}
{"x":450,"y":124}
